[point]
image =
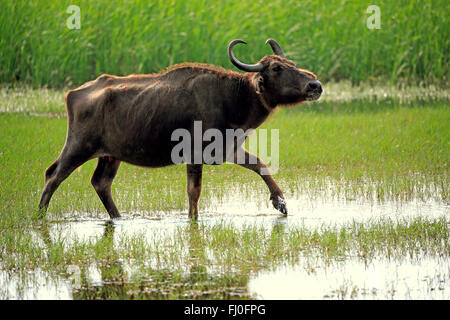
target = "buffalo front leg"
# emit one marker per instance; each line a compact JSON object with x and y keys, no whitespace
{"x":194,"y":188}
{"x":57,"y":173}
{"x":255,"y":164}
{"x":102,"y":180}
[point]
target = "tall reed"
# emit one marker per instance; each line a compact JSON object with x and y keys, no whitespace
{"x":330,"y":38}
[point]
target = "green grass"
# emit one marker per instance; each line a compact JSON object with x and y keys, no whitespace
{"x":379,"y":153}
{"x":330,"y":38}
{"x":371,"y":148}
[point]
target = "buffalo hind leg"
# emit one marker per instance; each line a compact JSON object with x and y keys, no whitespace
{"x":102,"y":180}
{"x":57,"y":173}
{"x":194,"y":188}
{"x":255,"y":164}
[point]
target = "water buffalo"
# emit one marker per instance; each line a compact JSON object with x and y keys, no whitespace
{"x":132,"y":118}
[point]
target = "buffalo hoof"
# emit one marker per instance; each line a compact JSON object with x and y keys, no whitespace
{"x":40,"y":214}
{"x":114,"y":215}
{"x":280,"y":204}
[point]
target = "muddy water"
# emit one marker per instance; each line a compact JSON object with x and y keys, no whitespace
{"x":311,"y":278}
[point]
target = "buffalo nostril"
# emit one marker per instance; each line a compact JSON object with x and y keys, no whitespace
{"x":315,"y":86}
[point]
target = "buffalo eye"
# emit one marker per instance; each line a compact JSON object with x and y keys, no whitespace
{"x":276,"y":68}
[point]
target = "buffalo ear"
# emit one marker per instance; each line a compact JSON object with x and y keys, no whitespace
{"x":258,"y":82}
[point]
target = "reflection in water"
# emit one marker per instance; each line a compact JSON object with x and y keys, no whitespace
{"x":111,"y":276}
{"x":158,"y":284}
{"x":197,"y":271}
{"x":423,"y":278}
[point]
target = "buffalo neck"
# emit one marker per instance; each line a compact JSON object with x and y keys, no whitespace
{"x":248,"y":108}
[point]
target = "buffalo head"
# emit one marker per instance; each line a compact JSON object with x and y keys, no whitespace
{"x":279,"y":79}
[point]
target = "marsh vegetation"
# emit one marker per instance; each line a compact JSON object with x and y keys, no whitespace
{"x":364,"y":170}
{"x":366,"y":181}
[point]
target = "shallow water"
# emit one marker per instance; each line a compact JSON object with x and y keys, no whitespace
{"x":424,"y":278}
{"x":310,"y":278}
{"x":36,"y":285}
{"x":303,"y":212}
